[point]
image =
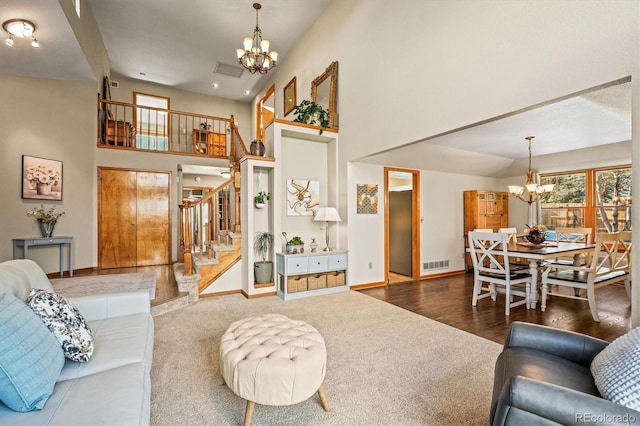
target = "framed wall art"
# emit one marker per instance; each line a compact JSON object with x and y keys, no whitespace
{"x":303,"y":197}
{"x":290,"y":96}
{"x":367,"y":199}
{"x":41,"y":178}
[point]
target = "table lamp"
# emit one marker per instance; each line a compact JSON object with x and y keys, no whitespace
{"x":327,"y":214}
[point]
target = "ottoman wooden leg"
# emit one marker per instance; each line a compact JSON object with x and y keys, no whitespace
{"x":249,"y":413}
{"x":323,"y":398}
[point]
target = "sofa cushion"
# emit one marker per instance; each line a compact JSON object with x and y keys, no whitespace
{"x":30,"y":357}
{"x":117,"y":341}
{"x":616,"y":370}
{"x":65,"y":322}
{"x":14,"y":280}
{"x":37,"y":277}
{"x":120,"y":396}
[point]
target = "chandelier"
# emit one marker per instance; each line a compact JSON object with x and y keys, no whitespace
{"x":535,"y":191}
{"x":20,"y":28}
{"x":255,"y":55}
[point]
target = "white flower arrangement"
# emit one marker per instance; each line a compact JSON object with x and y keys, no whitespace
{"x":42,"y":174}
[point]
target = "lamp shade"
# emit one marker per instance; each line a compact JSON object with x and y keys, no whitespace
{"x":327,"y":214}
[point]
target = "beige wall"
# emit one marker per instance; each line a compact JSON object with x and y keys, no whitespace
{"x":38,"y":117}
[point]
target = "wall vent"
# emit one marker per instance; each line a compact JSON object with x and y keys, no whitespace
{"x":115,"y":84}
{"x":436,"y":264}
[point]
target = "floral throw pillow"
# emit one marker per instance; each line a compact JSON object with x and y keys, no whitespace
{"x":65,"y":322}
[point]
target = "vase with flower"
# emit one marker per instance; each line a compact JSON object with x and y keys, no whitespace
{"x":46,"y":218}
{"x":42,"y":178}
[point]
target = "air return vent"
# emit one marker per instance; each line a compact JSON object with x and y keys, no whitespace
{"x":227,"y":69}
{"x":115,"y":84}
{"x":436,"y":264}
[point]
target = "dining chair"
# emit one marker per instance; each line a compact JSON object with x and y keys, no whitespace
{"x":610,"y":263}
{"x":516,"y":262}
{"x":573,"y":235}
{"x":494,"y":269}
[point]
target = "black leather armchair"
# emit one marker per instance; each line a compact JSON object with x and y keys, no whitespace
{"x":543,"y":376}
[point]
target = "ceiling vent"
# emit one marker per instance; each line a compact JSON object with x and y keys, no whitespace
{"x":226,"y":69}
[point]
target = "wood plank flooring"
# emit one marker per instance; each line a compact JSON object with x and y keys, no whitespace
{"x":448,"y":300}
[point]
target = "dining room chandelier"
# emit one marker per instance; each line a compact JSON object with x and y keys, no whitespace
{"x":534,"y":190}
{"x":255,"y":55}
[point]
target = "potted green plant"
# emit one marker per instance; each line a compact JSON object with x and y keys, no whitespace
{"x":260,"y":200}
{"x":309,"y":112}
{"x":262,"y":244}
{"x":295,"y":245}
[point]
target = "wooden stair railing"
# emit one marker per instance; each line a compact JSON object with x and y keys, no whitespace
{"x":198,"y":235}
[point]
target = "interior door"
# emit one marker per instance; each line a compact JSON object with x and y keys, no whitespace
{"x":134,"y":218}
{"x":152,"y":230}
{"x":400,"y":232}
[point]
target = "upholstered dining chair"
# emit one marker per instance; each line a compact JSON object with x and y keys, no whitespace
{"x":494,"y":269}
{"x":609,"y":264}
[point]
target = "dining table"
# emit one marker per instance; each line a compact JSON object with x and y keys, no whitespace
{"x":546,"y":251}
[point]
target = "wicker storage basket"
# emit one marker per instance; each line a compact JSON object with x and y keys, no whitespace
{"x":335,"y":279}
{"x":316,"y":281}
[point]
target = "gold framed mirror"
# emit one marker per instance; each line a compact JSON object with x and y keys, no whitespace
{"x":324,"y":91}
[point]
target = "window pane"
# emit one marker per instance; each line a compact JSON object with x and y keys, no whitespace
{"x":569,"y":191}
{"x":613,"y":187}
{"x":613,"y":219}
{"x":569,"y":217}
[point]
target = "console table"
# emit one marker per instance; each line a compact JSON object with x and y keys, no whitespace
{"x":25,"y":243}
{"x":311,"y":274}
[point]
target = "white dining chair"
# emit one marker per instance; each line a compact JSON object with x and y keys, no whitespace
{"x":494,"y":269}
{"x":609,"y":264}
{"x":572,"y":235}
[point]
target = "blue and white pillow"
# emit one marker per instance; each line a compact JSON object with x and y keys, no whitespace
{"x":616,"y":370}
{"x":65,"y":322}
{"x":30,"y":357}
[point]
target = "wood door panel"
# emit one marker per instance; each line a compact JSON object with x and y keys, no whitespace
{"x":153,"y":218}
{"x":117,"y":227}
{"x":135,"y":218}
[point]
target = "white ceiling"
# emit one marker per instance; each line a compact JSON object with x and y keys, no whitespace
{"x":179,"y":43}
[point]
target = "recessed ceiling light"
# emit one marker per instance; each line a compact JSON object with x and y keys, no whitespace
{"x":215,"y":85}
{"x":247,"y":92}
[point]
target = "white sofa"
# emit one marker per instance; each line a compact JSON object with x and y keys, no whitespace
{"x":114,"y":387}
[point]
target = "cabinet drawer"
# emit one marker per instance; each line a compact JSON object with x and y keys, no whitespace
{"x":297,"y":265}
{"x":318,"y":263}
{"x":338,"y":261}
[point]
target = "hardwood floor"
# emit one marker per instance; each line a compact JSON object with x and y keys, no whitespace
{"x":166,"y":288}
{"x":448,"y":300}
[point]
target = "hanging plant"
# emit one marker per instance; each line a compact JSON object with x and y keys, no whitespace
{"x":309,"y":112}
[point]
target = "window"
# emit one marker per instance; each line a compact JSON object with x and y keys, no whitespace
{"x":152,"y":121}
{"x":596,"y":198}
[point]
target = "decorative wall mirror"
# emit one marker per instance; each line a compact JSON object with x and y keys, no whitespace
{"x":324,"y":92}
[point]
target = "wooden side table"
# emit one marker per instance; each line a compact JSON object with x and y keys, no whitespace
{"x":25,"y":243}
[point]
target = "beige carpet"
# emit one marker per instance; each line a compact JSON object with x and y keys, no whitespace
{"x":386,"y":366}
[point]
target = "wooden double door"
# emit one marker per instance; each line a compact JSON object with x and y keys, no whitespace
{"x":134,"y":218}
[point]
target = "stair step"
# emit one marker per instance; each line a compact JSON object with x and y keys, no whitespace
{"x":170,"y":305}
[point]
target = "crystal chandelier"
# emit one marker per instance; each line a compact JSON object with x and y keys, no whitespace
{"x":535,"y":191}
{"x":255,"y":55}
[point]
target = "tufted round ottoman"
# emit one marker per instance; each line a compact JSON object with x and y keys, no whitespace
{"x":273,"y":360}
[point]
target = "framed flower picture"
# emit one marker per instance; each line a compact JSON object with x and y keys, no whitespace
{"x":41,"y":178}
